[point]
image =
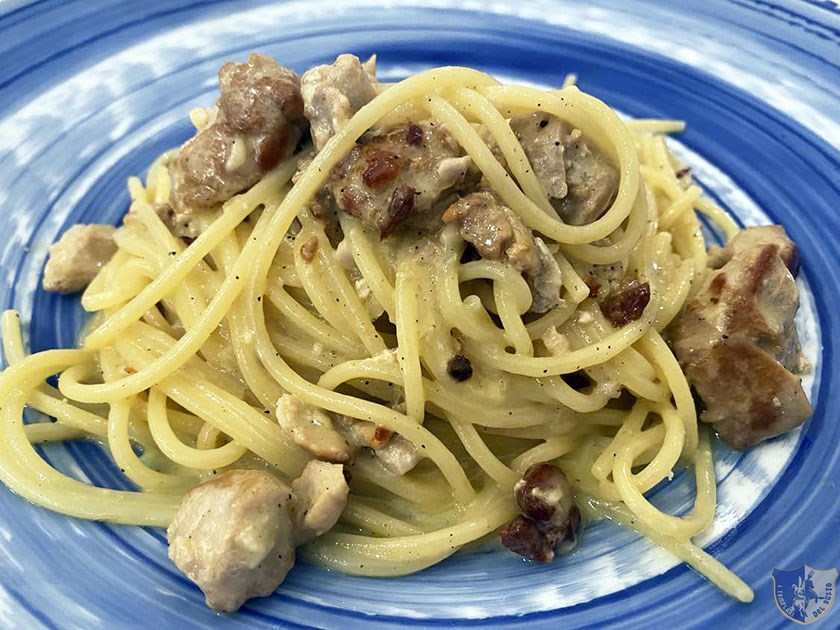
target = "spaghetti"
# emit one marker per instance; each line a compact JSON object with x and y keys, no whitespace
{"x":192,"y":345}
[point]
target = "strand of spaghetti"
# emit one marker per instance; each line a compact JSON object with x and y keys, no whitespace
{"x":42,"y":398}
{"x":600,"y":124}
{"x":339,"y":145}
{"x":427,"y":495}
{"x":472,"y":103}
{"x":499,"y":273}
{"x":185,"y":348}
{"x":367,"y":261}
{"x":660,"y":355}
{"x":683,"y":549}
{"x":684,"y":204}
{"x":724,"y":221}
{"x":154,"y":318}
{"x":190,"y":300}
{"x":549,"y":450}
{"x":305,"y":320}
{"x":347,"y":299}
{"x":483,"y":456}
{"x":12,"y":339}
{"x":655,"y":125}
{"x":133,"y":276}
{"x":406,"y":554}
{"x":177,"y":451}
{"x":207,"y":437}
{"x":619,"y":249}
{"x":662,"y":465}
{"x":500,"y":181}
{"x":609,"y":347}
{"x":509,"y":312}
{"x":69,"y":415}
{"x":233,"y":417}
{"x":375,"y":522}
{"x":234,"y":211}
{"x":315,"y":285}
{"x":631,"y":495}
{"x":675,"y":298}
{"x":554,"y":318}
{"x":259,"y":382}
{"x":129,"y":464}
{"x":574,"y":284}
{"x":470,"y":319}
{"x":460,"y":404}
{"x":25,"y":473}
{"x":555,"y":388}
{"x":47,"y":432}
{"x":361,"y":409}
{"x":408,"y":339}
{"x":632,"y":425}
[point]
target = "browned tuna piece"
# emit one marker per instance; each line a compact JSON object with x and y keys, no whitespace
{"x":497,"y":233}
{"x":737,"y":339}
{"x":403,"y":172}
{"x":258,"y":125}
{"x":578,"y":178}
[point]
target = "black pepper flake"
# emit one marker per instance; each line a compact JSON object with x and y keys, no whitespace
{"x":459,"y":368}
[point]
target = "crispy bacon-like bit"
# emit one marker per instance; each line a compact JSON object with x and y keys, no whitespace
{"x":523,"y":536}
{"x":372,"y":182}
{"x":402,"y":203}
{"x":381,"y":436}
{"x":549,"y":516}
{"x":414,"y":135}
{"x":593,"y":285}
{"x":309,"y":248}
{"x":626,"y":306}
{"x":382,"y":169}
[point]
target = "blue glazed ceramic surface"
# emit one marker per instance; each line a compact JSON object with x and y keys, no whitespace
{"x":91,"y":92}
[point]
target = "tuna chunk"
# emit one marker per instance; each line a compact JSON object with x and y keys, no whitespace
{"x":320,"y":496}
{"x":258,"y":125}
{"x":579,"y":179}
{"x":546,"y":281}
{"x":333,"y":93}
{"x":234,"y":537}
{"x":497,"y":233}
{"x":78,"y":256}
{"x":311,"y":429}
{"x":399,"y":455}
{"x":737,"y":339}
{"x":392,"y":176}
{"x":396,"y":453}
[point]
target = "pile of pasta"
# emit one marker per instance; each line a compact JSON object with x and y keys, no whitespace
{"x":191,"y":345}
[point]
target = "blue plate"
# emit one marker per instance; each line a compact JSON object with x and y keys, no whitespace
{"x":91,"y":92}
